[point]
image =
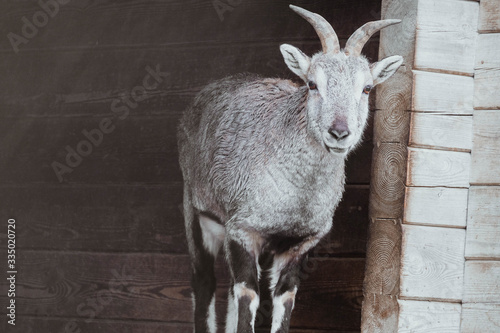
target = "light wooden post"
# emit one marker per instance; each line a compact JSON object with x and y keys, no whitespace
{"x":433,"y":257}
{"x":481,"y":295}
{"x":392,"y":119}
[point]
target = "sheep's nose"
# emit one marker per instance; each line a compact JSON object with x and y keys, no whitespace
{"x":339,"y":130}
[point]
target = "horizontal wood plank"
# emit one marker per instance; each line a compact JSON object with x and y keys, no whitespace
{"x":486,"y":148}
{"x":441,"y":132}
{"x":480,"y":317}
{"x":482,"y":281}
{"x":26,"y":324}
{"x":428,"y":317}
{"x":436,"y":206}
{"x":483,"y":224}
{"x":442,"y":93}
{"x":489,"y":16}
{"x":432,"y":264}
{"x":446,"y":35}
{"x":486,"y":84}
{"x":124,"y":218}
{"x":155,"y":287}
{"x":488,"y":47}
{"x":487,"y":72}
{"x":428,"y":167}
{"x":134,"y":23}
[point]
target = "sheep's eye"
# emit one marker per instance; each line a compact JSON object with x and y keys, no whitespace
{"x":367,"y":89}
{"x":312,"y":85}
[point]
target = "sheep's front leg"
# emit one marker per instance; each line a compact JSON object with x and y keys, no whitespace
{"x":245,"y":289}
{"x":285,"y":283}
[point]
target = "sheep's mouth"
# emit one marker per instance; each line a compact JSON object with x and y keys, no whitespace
{"x":337,"y":150}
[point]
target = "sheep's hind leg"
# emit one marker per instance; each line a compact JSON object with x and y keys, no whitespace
{"x":204,"y":244}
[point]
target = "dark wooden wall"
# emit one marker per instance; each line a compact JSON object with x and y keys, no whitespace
{"x":104,"y":250}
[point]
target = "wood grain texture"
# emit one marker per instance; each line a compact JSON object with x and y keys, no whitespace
{"x":390,"y":137}
{"x":487,"y":49}
{"x":145,"y":218}
{"x":487,"y":72}
{"x":394,"y":95}
{"x":428,"y":317}
{"x":432,"y":263}
{"x":442,"y":93}
{"x":483,"y":224}
{"x":33,"y":324}
{"x":387,"y":181}
{"x":381,"y":283}
{"x":436,"y":206}
{"x":428,"y":167}
{"x":441,"y":132}
{"x":489,"y":16}
{"x":382,"y":265}
{"x":482,"y":282}
{"x":137,"y":23}
{"x":486,"y":148}
{"x":155,"y":287}
{"x":380,"y":313}
{"x":446,"y":36}
{"x":480,"y":317}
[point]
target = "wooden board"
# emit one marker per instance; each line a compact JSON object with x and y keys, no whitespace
{"x":446,"y":36}
{"x":487,"y":72}
{"x":486,"y":84}
{"x":489,"y":16}
{"x":486,"y":148}
{"x":390,"y":137}
{"x":146,"y":218}
{"x":480,"y":317}
{"x":437,"y":206}
{"x":441,"y":132}
{"x":442,"y":93}
{"x":428,"y":317}
{"x":482,"y":281}
{"x":488,"y":47}
{"x":432,"y":263}
{"x":428,"y":167}
{"x":156,"y":287}
{"x":130,"y":23}
{"x":483,"y":224}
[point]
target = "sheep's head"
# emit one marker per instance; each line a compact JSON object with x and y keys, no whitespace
{"x":339,"y":82}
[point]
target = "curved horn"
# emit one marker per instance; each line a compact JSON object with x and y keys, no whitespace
{"x":328,"y":37}
{"x":358,"y":39}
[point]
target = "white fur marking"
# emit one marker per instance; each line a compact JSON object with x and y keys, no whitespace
{"x":241,"y":290}
{"x":279,"y":308}
{"x":212,"y":233}
{"x":211,"y":320}
{"x":359,"y":84}
{"x":232,"y":315}
{"x":321,"y":81}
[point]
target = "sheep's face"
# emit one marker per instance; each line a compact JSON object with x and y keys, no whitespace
{"x":339,"y":86}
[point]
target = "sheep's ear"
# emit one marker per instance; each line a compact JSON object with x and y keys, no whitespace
{"x":384,"y":69}
{"x":296,"y":60}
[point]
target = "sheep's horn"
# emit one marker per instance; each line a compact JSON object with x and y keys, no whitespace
{"x":358,"y":39}
{"x":328,"y":37}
